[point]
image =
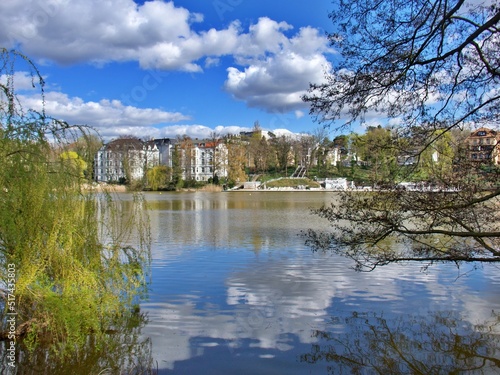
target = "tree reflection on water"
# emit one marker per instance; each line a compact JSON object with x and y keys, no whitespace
{"x":440,"y":343}
{"x":122,"y":350}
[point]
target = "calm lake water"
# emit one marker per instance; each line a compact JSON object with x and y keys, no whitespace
{"x":235,"y":291}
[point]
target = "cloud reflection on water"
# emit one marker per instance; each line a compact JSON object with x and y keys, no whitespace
{"x":239,"y":279}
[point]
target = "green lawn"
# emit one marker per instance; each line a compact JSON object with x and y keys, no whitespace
{"x":292,"y":182}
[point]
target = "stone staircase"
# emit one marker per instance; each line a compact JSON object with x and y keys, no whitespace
{"x":300,"y":172}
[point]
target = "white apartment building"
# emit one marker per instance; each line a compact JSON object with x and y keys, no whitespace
{"x":209,"y":158}
{"x":130,"y":158}
{"x":124,"y":159}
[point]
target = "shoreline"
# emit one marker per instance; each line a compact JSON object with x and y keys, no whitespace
{"x":103,"y":187}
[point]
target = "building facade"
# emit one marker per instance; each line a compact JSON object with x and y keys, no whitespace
{"x":123,"y":159}
{"x":209,"y":159}
{"x":128,"y":159}
{"x":484,"y":146}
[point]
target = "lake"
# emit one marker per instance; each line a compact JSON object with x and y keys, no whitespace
{"x":234,"y":290}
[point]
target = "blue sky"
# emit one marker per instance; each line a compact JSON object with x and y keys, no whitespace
{"x":167,"y":68}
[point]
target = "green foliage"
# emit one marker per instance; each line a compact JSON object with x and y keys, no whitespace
{"x":158,"y":177}
{"x":86,"y":146}
{"x":75,"y":268}
{"x":379,"y":150}
{"x":436,"y":160}
{"x":216,"y":180}
{"x":121,"y":350}
{"x":176,"y":168}
{"x":192,"y":184}
{"x":77,"y":164}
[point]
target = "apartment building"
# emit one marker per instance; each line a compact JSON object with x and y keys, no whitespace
{"x":484,"y":146}
{"x":130,"y":158}
{"x":209,"y":158}
{"x":125,"y":159}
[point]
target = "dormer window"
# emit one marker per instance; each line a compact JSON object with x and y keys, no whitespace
{"x":481,"y":133}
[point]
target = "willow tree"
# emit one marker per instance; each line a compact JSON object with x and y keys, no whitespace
{"x":433,"y":67}
{"x":158,"y":177}
{"x":68,"y":257}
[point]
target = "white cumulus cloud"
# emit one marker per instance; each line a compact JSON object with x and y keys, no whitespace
{"x":277,"y":81}
{"x":273,"y":64}
{"x":104,"y":114}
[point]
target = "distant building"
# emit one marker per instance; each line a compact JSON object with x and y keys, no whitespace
{"x":337,"y":184}
{"x":412,"y":157}
{"x":165,"y":147}
{"x":484,"y":146}
{"x":334,"y":156}
{"x":267,"y":135}
{"x":251,"y":185}
{"x":130,"y":158}
{"x":124,"y":159}
{"x":209,"y":158}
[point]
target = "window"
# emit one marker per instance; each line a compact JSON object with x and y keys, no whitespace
{"x":481,"y":133}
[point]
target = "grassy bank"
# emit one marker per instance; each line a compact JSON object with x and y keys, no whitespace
{"x":292,"y":183}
